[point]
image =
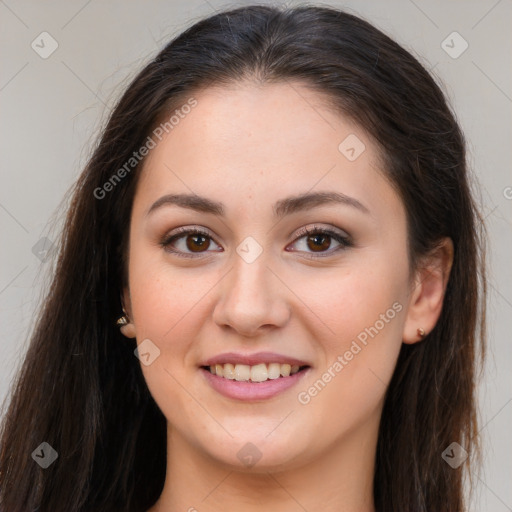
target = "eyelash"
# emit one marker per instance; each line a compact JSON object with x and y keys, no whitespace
{"x":344,"y":241}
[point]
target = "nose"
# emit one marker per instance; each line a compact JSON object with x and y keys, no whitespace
{"x":252,"y":299}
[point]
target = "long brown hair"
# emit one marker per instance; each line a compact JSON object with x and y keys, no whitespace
{"x":81,"y":389}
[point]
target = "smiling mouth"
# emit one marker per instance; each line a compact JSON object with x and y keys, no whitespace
{"x":255,"y":373}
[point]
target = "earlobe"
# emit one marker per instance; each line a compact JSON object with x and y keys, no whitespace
{"x":427,"y":295}
{"x":128,"y":330}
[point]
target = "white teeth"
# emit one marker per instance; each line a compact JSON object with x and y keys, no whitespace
{"x":242,"y":372}
{"x":285,"y":370}
{"x":229,"y":371}
{"x":257,"y":373}
{"x":274,"y":370}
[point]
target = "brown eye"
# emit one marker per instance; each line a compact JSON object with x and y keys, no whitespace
{"x":187,"y":242}
{"x":197,"y":242}
{"x":319,"y":241}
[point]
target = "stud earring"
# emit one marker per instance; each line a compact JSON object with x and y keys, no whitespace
{"x":421,"y":332}
{"x":122,"y":320}
{"x":125,"y":326}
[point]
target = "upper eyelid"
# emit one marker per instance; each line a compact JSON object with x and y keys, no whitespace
{"x":301,"y":232}
{"x":311,"y":229}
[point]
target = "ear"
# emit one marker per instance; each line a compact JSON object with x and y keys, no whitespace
{"x":129,"y":329}
{"x":427,"y":294}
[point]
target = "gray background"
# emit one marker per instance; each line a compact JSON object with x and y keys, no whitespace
{"x":53,"y":108}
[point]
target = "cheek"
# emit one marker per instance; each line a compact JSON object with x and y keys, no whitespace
{"x":362,"y":313}
{"x":363,"y":292}
{"x":165,"y":302}
{"x":163,"y":297}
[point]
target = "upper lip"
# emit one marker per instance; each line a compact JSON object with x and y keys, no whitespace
{"x":253,"y":359}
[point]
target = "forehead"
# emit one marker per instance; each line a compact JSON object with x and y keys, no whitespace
{"x":260,"y":122}
{"x":267,"y":141}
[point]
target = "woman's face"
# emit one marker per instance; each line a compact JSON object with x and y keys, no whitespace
{"x":254,"y":292}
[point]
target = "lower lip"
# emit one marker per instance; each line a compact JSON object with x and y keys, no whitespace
{"x":252,"y":391}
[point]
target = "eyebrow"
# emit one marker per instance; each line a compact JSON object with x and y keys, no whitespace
{"x":281,"y":208}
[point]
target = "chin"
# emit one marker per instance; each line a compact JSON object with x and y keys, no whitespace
{"x":258,"y":454}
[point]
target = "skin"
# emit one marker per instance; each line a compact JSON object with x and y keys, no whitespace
{"x":248,"y":146}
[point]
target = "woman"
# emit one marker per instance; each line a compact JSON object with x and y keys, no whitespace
{"x":267,"y":294}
